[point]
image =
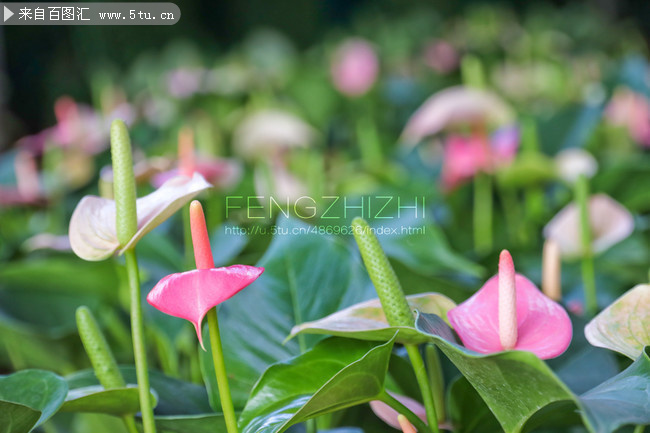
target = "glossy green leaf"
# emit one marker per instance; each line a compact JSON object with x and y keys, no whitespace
{"x":622,"y":400}
{"x":366,"y":320}
{"x":117,"y":401}
{"x":467,"y":411}
{"x":298,"y":285}
{"x":26,"y":394}
{"x":336,"y":374}
{"x":17,"y":418}
{"x":175,"y":397}
{"x":624,"y":326}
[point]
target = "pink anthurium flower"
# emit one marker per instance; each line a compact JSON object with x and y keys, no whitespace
{"x":190,"y":295}
{"x":630,"y":110}
{"x":354,"y":67}
{"x":92,"y":231}
{"x":509,"y":312}
{"x":464,"y":157}
{"x":610,"y":223}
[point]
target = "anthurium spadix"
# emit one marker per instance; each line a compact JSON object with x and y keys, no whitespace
{"x":93,"y":235}
{"x":190,"y":295}
{"x":510,"y":312}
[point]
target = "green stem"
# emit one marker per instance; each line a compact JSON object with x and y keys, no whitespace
{"x":220,"y":372}
{"x":482,"y":212}
{"x":129,"y":423}
{"x":139,"y":348}
{"x":423,"y":383}
{"x":588,"y":272}
{"x":400,"y":408}
{"x":436,"y":379}
{"x":639,"y":429}
{"x":369,"y":143}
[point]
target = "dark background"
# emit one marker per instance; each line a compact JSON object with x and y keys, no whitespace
{"x":42,"y":63}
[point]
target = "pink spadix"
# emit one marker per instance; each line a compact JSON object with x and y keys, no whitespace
{"x":509,"y":312}
{"x":190,"y":295}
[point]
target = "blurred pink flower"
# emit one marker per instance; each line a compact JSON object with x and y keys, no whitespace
{"x":354,"y":67}
{"x":510,"y":312}
{"x":610,"y":223}
{"x":185,"y":82}
{"x":389,"y":415}
{"x":464,"y":156}
{"x":223,"y":173}
{"x":455,"y":106}
{"x":27,"y":190}
{"x":441,"y":56}
{"x":632,"y":111}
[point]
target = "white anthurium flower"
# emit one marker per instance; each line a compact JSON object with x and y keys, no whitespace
{"x":610,"y":223}
{"x":92,"y":227}
{"x":270,"y":132}
{"x":572,"y":163}
{"x":453,"y":106}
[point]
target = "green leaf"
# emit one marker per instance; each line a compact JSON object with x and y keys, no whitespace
{"x":28,"y":398}
{"x":624,"y":399}
{"x":624,"y":326}
{"x":504,"y":380}
{"x":17,"y":418}
{"x":422,"y":246}
{"x":522,"y":392}
{"x":366,"y":320}
{"x":468,"y":412}
{"x":336,"y":374}
{"x":299,"y":285}
{"x":175,"y":397}
{"x":94,"y":398}
{"x":204,"y":423}
{"x":49,"y":308}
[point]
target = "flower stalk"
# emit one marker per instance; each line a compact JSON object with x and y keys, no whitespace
{"x":101,"y":357}
{"x":551,"y":270}
{"x":395,"y":306}
{"x":126,"y":226}
{"x":588,"y":271}
{"x":204,"y":260}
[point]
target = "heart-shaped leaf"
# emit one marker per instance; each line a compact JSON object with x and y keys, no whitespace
{"x":298,"y":285}
{"x":624,"y":326}
{"x":366,"y":320}
{"x":117,"y":401}
{"x":336,"y":374}
{"x":28,"y":398}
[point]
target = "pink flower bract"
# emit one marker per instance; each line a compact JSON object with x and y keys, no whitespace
{"x":543,"y":327}
{"x":190,"y":295}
